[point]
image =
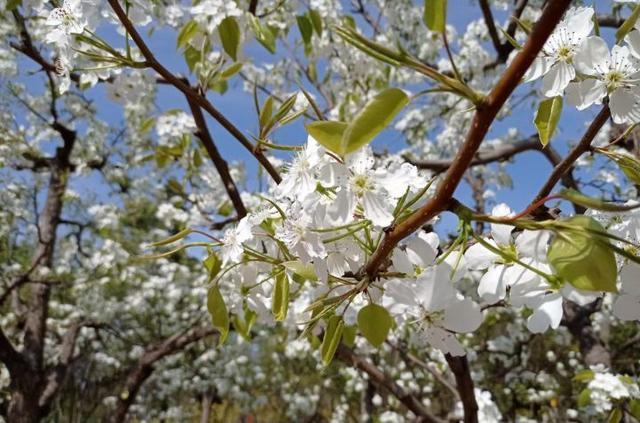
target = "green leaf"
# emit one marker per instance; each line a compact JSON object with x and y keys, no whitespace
{"x":306,"y":271}
{"x":583,"y":258}
{"x":584,"y":398}
{"x":306,"y":28}
{"x":188,"y":31}
{"x":627,"y":163}
{"x":264,"y":35}
{"x":243,"y":326}
{"x":373,"y":118}
{"x":266,"y":112}
{"x":615,"y":416}
{"x":331,"y":340}
{"x":577,"y":197}
{"x":349,"y":335}
{"x":374,"y":322}
{"x":547,"y":118}
{"x":213,"y":264}
{"x":584,"y":376}
{"x":627,"y":25}
{"x":634,"y":408}
{"x":515,"y":44}
{"x":192,"y":56}
{"x":231,"y":70}
{"x":435,"y":14}
{"x":12,"y":5}
{"x":328,"y":134}
{"x":173,"y":238}
{"x":316,"y":20}
{"x":218,"y":311}
{"x":280,"y":299}
{"x":229,"y":32}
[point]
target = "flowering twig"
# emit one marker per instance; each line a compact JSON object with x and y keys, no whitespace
{"x":486,"y":113}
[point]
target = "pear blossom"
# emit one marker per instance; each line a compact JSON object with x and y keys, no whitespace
{"x":433,"y":303}
{"x":302,"y":175}
{"x":65,"y":20}
{"x":555,"y":62}
{"x":612,"y":73}
{"x":232,"y":248}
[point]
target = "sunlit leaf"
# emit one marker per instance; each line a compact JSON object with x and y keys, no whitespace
{"x":332,"y":337}
{"x":547,"y":118}
{"x":218,"y":311}
{"x":435,"y":14}
{"x":328,"y":134}
{"x":374,"y":322}
{"x":280,"y":297}
{"x":229,"y":32}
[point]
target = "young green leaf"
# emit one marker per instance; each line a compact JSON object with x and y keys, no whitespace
{"x":306,"y":271}
{"x":332,"y":337}
{"x":627,"y":25}
{"x":583,"y":258}
{"x":218,"y":311}
{"x":373,"y":118}
{"x":615,"y":416}
{"x":316,"y":20}
{"x":229,"y":32}
{"x":328,"y":134}
{"x":188,"y":31}
{"x":374,"y":322}
{"x":627,"y":163}
{"x":266,"y":112}
{"x":280,"y":297}
{"x":577,"y":197}
{"x":173,"y":238}
{"x":435,"y":14}
{"x":264,"y":35}
{"x":306,"y":28}
{"x":349,"y":335}
{"x":547,"y":118}
{"x":213,"y":264}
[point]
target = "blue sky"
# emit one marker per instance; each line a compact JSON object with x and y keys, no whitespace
{"x":528,"y":172}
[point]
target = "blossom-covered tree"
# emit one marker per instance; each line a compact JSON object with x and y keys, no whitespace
{"x":363,"y":245}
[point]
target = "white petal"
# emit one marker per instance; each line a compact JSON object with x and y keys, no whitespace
{"x":434,"y":290}
{"x":593,"y":57}
{"x":547,"y":314}
{"x":375,"y":209}
{"x":444,"y":341}
{"x":557,"y":79}
{"x":578,"y":296}
{"x":501,"y":233}
{"x":627,"y":307}
{"x":401,"y":262}
{"x":420,"y":252}
{"x":580,"y":22}
{"x":462,"y":316}
{"x":479,"y":257}
{"x":493,"y":284}
{"x":539,"y":67}
{"x":624,"y":106}
{"x":585,"y":93}
{"x":630,"y":277}
{"x":533,"y":244}
{"x":633,"y":41}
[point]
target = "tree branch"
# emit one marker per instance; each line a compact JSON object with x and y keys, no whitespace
{"x":218,"y":161}
{"x":460,"y":368}
{"x":482,"y":120}
{"x":144,"y":367}
{"x":379,"y":378}
{"x":193,"y":95}
{"x":583,"y":146}
{"x":493,"y":31}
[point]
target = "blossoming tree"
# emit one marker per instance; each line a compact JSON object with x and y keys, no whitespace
{"x":145,"y":276}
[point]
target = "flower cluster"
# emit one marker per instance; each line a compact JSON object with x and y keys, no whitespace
{"x":581,"y":65}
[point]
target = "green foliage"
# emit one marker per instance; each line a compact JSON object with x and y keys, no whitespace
{"x":229,"y":32}
{"x":280,"y":297}
{"x":218,"y":312}
{"x":547,"y":118}
{"x":435,"y":14}
{"x":332,"y":337}
{"x":264,"y":34}
{"x":374,"y":322}
{"x":582,"y":257}
{"x":342,"y":138}
{"x":628,"y":164}
{"x":627,"y":25}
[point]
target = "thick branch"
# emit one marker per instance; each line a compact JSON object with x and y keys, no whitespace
{"x":144,"y":367}
{"x":379,"y":378}
{"x":193,"y":95}
{"x":484,"y":116}
{"x":460,"y":368}
{"x":218,"y":161}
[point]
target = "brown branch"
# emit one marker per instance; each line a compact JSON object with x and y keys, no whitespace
{"x":218,"y":161}
{"x":253,"y":7}
{"x":482,"y":120}
{"x":493,"y":31}
{"x":379,"y":378}
{"x":143,"y":369}
{"x":566,"y":165}
{"x":188,"y":91}
{"x":460,"y":368}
